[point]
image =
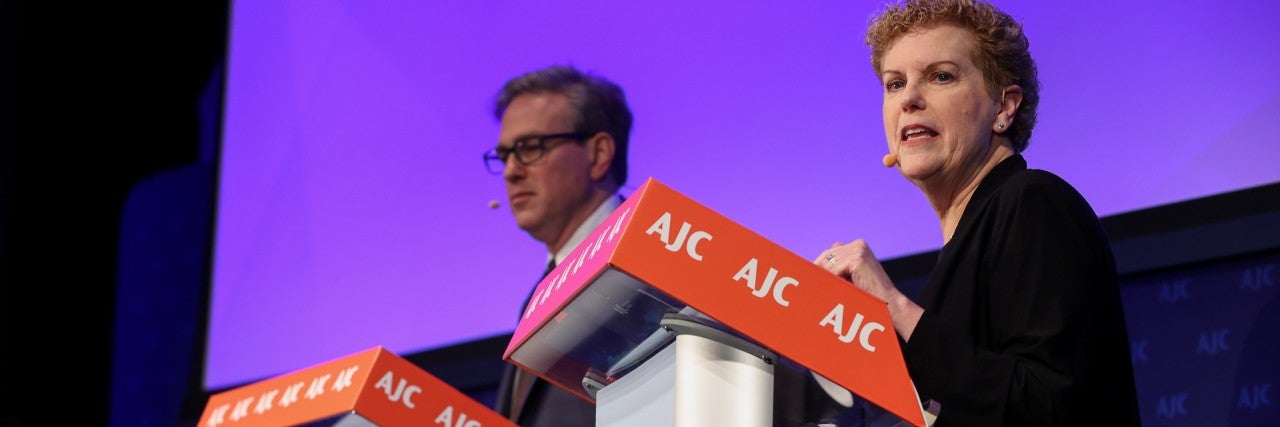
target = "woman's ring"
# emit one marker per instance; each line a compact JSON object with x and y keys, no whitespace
{"x":831,"y":259}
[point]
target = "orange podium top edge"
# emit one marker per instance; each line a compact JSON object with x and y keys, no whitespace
{"x":375,"y":384}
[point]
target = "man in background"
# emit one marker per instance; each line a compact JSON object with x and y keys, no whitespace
{"x":562,"y":153}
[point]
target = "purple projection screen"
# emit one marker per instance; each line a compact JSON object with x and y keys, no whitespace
{"x":353,"y":206}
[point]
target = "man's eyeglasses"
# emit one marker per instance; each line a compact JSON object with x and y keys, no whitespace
{"x":528,"y":149}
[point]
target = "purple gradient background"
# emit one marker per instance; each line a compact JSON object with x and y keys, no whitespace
{"x":352,"y":207}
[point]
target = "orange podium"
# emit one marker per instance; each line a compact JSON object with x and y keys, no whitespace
{"x":665,"y":270}
{"x":371,"y":388}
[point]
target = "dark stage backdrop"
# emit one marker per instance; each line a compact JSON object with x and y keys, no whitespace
{"x":1199,"y":282}
{"x":1205,"y":343}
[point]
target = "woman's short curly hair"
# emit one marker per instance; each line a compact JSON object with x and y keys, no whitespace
{"x":1003,"y":52}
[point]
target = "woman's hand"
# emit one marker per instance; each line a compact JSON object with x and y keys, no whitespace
{"x":856,"y":263}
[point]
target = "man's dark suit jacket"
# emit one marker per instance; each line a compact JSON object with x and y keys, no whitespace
{"x":545,"y":405}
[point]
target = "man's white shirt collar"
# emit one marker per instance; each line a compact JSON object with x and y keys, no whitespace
{"x":602,"y":213}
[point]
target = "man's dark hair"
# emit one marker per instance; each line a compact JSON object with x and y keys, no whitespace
{"x":599,"y":105}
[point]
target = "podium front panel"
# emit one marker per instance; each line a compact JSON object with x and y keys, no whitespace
{"x":660,"y":252}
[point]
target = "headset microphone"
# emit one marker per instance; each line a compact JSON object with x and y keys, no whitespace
{"x":889,"y":160}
